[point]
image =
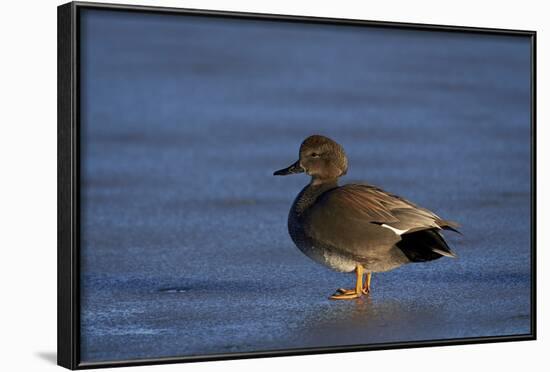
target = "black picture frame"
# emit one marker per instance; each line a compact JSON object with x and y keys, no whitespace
{"x":68,"y":321}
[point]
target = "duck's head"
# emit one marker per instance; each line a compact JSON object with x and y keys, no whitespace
{"x":321,"y":158}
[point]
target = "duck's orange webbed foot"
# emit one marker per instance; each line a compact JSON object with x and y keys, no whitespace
{"x":345,"y":294}
{"x":350,"y":294}
{"x":344,"y":291}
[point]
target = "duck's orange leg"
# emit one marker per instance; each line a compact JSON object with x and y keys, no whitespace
{"x":348,"y":294}
{"x":366,"y":288}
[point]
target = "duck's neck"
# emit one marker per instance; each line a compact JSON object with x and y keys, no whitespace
{"x":311,"y":192}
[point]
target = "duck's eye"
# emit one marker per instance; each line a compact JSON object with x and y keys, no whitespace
{"x":315,"y":155}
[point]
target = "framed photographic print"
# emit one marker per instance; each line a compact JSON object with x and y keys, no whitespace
{"x":235,"y":185}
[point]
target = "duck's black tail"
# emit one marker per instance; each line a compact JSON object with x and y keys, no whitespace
{"x":424,"y":245}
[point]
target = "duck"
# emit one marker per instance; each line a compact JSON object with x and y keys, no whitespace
{"x":357,"y":228}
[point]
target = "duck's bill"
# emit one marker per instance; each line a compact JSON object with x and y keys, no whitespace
{"x":293,"y":169}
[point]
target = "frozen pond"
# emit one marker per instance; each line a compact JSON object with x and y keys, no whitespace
{"x":185,"y":249}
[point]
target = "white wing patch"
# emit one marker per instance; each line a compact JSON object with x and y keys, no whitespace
{"x":396,"y":231}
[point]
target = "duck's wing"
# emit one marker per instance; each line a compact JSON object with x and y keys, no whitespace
{"x":380,"y":207}
{"x":359,"y":216}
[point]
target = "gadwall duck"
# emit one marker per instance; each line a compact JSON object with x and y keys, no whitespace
{"x":357,"y":227}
